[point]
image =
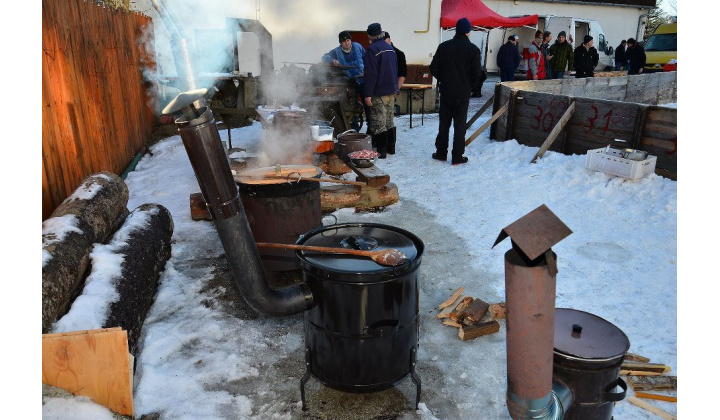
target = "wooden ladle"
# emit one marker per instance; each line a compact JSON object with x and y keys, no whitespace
{"x":388,"y":257}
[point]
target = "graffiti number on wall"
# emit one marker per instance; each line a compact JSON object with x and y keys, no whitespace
{"x":590,"y":125}
{"x":546,"y":118}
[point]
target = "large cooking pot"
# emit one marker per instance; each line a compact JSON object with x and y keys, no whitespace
{"x":279,"y":209}
{"x":362,"y":334}
{"x":350,"y":141}
{"x":588,"y":354}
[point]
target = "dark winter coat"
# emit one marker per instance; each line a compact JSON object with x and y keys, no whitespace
{"x":381,"y":69}
{"x":508,"y":56}
{"x":636,"y":58}
{"x":402,"y":63}
{"x":620,"y":55}
{"x":586,"y":59}
{"x":456,"y":65}
{"x":563,"y":57}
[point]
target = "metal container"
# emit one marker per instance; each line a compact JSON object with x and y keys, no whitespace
{"x":279,"y":209}
{"x":362,"y":334}
{"x":348,"y":142}
{"x":587,"y":358}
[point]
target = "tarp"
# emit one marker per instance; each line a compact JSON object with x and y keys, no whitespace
{"x":480,"y":16}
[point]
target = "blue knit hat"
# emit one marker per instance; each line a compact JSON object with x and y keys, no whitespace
{"x":463,"y":26}
{"x":374,"y":29}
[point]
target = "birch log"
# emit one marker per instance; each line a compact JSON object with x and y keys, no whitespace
{"x":84,"y":218}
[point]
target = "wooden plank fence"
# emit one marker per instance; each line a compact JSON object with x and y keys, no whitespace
{"x":600,"y":115}
{"x":97,"y":106}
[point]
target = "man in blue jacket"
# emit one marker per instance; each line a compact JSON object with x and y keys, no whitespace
{"x":456,"y":65}
{"x":508,"y":59}
{"x":381,"y":70}
{"x":350,"y":55}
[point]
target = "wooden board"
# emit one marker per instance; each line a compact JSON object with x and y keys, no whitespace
{"x":474,"y":331}
{"x":452,"y":299}
{"x":372,"y":176}
{"x":445,"y":312}
{"x":93,"y":363}
{"x":651,"y":408}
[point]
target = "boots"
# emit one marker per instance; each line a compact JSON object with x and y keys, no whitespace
{"x":381,"y":140}
{"x":392,"y":138}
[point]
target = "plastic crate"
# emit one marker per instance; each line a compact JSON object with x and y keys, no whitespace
{"x":612,"y":162}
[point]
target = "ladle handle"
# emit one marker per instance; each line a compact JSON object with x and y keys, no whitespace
{"x":316,"y":249}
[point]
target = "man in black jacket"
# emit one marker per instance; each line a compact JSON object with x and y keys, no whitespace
{"x":401,"y":76}
{"x":508,"y":59}
{"x":620,"y":56}
{"x":635,"y":56}
{"x":456,"y":65}
{"x":586,"y":58}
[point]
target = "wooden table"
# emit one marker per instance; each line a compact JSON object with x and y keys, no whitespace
{"x":418,"y":91}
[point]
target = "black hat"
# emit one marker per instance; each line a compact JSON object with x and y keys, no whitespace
{"x":631,"y":41}
{"x":342,"y":36}
{"x":511,"y":38}
{"x":374,"y":29}
{"x":463,"y":26}
{"x":587,"y":39}
{"x":561,"y":33}
{"x":387,"y":35}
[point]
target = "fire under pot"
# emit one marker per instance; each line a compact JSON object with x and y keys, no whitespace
{"x":362,"y":334}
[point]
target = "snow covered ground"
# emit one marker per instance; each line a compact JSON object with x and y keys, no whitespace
{"x":207,"y":356}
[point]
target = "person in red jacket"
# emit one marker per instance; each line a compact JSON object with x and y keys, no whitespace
{"x":536,"y":60}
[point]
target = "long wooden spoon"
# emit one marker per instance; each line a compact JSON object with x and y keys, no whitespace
{"x":388,"y":257}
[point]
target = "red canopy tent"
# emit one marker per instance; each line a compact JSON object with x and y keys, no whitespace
{"x":480,"y":16}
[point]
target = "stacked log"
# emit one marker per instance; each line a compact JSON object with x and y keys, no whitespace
{"x":473,"y":317}
{"x":86,"y":217}
{"x":140,"y":248}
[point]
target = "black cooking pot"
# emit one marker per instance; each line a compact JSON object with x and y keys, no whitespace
{"x":362,"y":334}
{"x":587,"y":358}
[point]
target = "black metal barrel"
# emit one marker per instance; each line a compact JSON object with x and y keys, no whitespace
{"x":587,"y":358}
{"x":362,"y":334}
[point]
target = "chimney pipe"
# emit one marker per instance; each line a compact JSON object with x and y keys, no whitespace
{"x":212,"y":170}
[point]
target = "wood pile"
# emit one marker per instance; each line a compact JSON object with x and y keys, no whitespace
{"x":473,"y":317}
{"x":644,"y":376}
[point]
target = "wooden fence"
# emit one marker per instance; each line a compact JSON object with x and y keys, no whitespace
{"x":605,"y":109}
{"x":97,"y":109}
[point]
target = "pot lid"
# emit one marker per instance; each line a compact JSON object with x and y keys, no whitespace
{"x":364,"y":236}
{"x":581,"y":335}
{"x":277,"y":174}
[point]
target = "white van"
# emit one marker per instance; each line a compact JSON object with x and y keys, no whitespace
{"x":575,"y":28}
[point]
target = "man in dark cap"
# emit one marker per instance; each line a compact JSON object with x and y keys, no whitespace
{"x":635,"y":56}
{"x":586,"y":58}
{"x":381,"y":69}
{"x":349,"y":54}
{"x":456,"y":65}
{"x":508,"y":59}
{"x":562,"y":56}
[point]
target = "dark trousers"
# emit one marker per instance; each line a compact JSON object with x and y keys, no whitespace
{"x":579,"y":74}
{"x":507,"y":74}
{"x":452,"y":110}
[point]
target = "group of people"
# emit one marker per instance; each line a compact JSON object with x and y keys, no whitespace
{"x":378,"y":74}
{"x":380,"y":70}
{"x":547,"y":61}
{"x":630,"y":56}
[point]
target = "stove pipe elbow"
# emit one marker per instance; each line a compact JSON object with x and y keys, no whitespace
{"x":212,"y":170}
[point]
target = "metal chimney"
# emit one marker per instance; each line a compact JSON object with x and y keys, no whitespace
{"x":212,"y":169}
{"x":530,"y":270}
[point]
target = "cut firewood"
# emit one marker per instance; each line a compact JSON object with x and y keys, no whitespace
{"x":656,"y":397}
{"x":653,"y":383}
{"x":474,"y":313}
{"x":497,"y":310}
{"x":632,"y":357}
{"x":452,"y":298}
{"x":651,"y":408}
{"x":474,"y":331}
{"x":452,"y":323}
{"x":445,"y":313}
{"x":464,"y":303}
{"x":640,"y":368}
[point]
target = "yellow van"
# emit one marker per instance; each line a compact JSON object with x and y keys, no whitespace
{"x":661,"y":47}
